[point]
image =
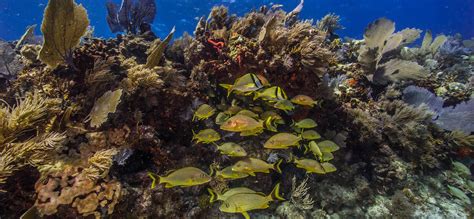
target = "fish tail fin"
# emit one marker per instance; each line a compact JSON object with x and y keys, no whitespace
{"x":161,"y":179}
{"x":212,"y":194}
{"x":153,"y":180}
{"x":213,"y":170}
{"x":257,"y":95}
{"x":277,"y":166}
{"x":292,"y":158}
{"x":306,"y":149}
{"x":228,"y":87}
{"x":246,"y":215}
{"x":276,"y":193}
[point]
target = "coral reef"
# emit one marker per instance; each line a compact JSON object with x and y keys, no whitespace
{"x":137,"y":126}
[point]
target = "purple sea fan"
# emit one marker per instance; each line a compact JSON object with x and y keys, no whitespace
{"x":459,"y":117}
{"x":417,"y":96}
{"x":130,"y":15}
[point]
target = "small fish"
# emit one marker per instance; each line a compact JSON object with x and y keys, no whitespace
{"x":206,"y":136}
{"x":270,"y":125}
{"x":303,"y":100}
{"x":254,"y":165}
{"x":328,"y":146}
{"x":244,"y":202}
{"x":204,"y":112}
{"x":310,"y":135}
{"x":246,"y":84}
{"x":248,"y":113}
{"x":328,"y":167}
{"x":284,"y":105}
{"x":305,"y":124}
{"x":282,"y":141}
{"x":228,"y":173}
{"x":314,"y":148}
{"x":221,"y":118}
{"x":241,"y":123}
{"x":224,"y":196}
{"x":232,"y":149}
{"x":327,"y":156}
{"x":310,"y":165}
{"x":313,"y":166}
{"x":275,"y":117}
{"x":232,"y":110}
{"x":271,"y":94}
{"x":184,"y":177}
{"x":252,"y":132}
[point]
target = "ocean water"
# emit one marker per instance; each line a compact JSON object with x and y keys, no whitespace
{"x":440,"y":16}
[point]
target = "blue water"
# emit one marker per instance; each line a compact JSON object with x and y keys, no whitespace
{"x":441,"y":16}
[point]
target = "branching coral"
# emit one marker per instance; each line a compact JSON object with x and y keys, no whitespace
{"x":299,"y":195}
{"x":64,"y":24}
{"x":17,"y":123}
{"x":329,"y":23}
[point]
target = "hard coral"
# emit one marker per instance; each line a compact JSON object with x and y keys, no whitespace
{"x":71,"y":187}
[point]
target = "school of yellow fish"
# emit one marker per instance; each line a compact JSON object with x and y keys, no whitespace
{"x":253,"y":122}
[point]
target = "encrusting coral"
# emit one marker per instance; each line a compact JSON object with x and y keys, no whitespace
{"x":283,"y":99}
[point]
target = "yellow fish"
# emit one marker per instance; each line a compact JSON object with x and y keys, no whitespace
{"x":206,"y":136}
{"x":228,"y":173}
{"x":246,"y":84}
{"x":328,"y":146}
{"x":303,"y":100}
{"x":284,"y":105}
{"x":221,"y":118}
{"x":232,"y":149}
{"x":244,"y":202}
{"x":184,"y":177}
{"x":271,"y":94}
{"x":305,"y":124}
{"x":310,"y":135}
{"x":248,"y":113}
{"x":244,"y":124}
{"x":203,"y":112}
{"x":314,"y":148}
{"x":254,"y":165}
{"x":313,"y":166}
{"x":282,"y":141}
{"x":322,"y":153}
{"x":224,"y":196}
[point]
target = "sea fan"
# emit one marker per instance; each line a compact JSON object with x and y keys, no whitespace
{"x":131,"y":15}
{"x":106,"y":104}
{"x":459,"y":117}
